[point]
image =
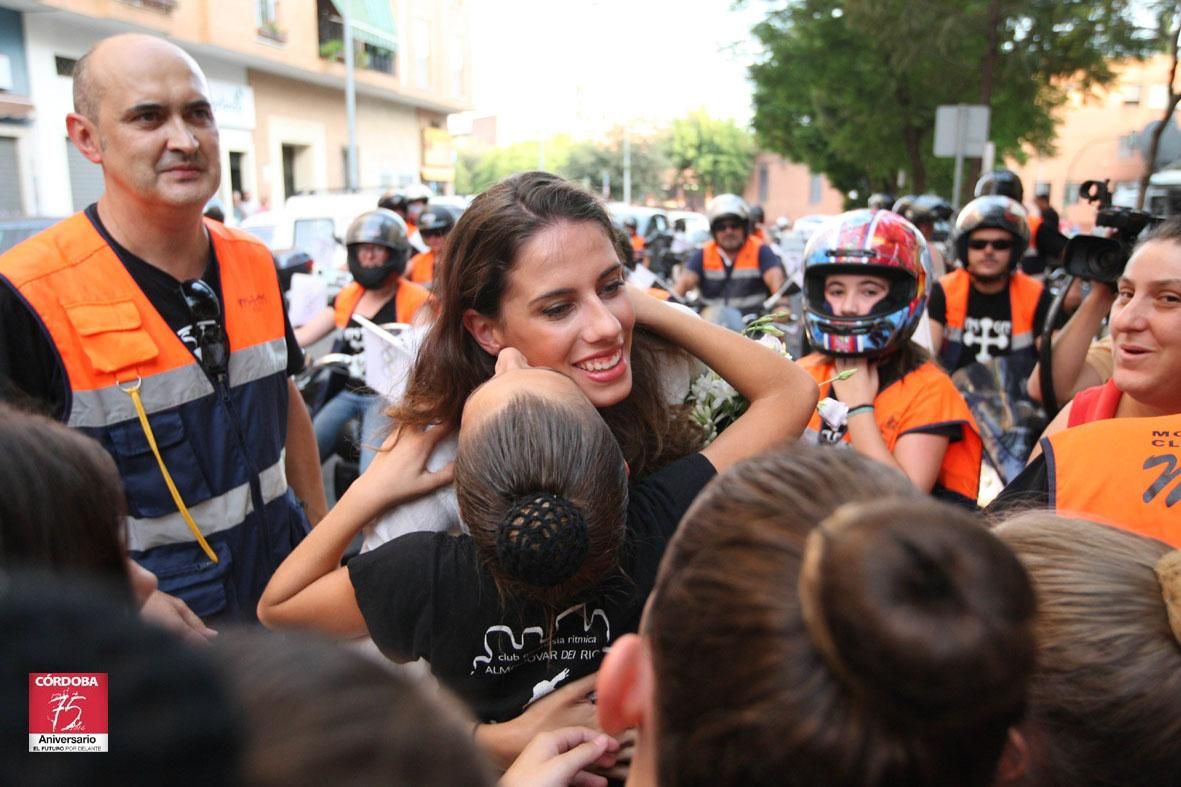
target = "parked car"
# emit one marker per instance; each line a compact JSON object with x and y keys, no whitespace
{"x":14,"y":230}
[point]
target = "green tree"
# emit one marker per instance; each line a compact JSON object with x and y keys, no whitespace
{"x":850,"y":87}
{"x":588,"y":161}
{"x":710,"y":156}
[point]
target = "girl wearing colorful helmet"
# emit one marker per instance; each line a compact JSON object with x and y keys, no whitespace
{"x":866,"y":278}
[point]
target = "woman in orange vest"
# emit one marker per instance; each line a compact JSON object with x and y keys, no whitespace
{"x":378,"y":251}
{"x":1146,"y":351}
{"x":866,"y":277}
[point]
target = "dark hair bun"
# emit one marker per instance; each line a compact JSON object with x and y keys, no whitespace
{"x":920,"y":610}
{"x":543,"y":540}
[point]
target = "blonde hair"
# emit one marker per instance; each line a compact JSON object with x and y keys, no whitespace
{"x":1105,"y":701}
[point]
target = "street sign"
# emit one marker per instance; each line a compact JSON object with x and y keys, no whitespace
{"x":961,"y":129}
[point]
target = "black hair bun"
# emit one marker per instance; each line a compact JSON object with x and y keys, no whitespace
{"x":543,"y":540}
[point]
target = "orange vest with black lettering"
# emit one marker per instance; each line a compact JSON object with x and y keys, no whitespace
{"x":924,"y":397}
{"x":1124,"y":472}
{"x":408,"y":300}
{"x":1024,"y":292}
{"x":221,"y":440}
{"x":422,"y":267}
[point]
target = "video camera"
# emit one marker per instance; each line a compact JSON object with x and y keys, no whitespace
{"x":1103,"y":259}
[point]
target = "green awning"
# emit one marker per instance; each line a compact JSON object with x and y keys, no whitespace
{"x":372,"y":22}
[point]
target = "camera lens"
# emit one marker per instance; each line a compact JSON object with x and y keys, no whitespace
{"x":1108,"y":265}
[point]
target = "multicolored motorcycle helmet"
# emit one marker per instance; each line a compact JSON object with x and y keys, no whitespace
{"x":869,"y":243}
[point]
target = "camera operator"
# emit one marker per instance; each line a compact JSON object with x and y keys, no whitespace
{"x":1079,"y":359}
{"x":1117,"y":466}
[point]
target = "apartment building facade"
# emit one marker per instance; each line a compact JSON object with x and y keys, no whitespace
{"x":277,"y":79}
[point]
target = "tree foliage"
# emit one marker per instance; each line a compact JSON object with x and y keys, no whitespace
{"x":710,"y":155}
{"x":589,"y":161}
{"x":850,"y":87}
{"x":696,"y":153}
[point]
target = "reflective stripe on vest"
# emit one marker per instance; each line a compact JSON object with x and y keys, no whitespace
{"x":1024,"y":292}
{"x":910,"y":399}
{"x":106,"y":406}
{"x":212,"y":516}
{"x":741,"y":286}
{"x":1124,"y":472}
{"x":409,"y":299}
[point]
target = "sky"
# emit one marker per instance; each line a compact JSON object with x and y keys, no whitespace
{"x":580,"y":67}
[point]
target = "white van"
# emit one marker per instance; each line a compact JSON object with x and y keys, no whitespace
{"x":314,"y":223}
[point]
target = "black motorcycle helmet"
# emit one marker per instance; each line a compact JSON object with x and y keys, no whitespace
{"x":902,"y":205}
{"x":393,"y":200}
{"x":756,"y":215}
{"x":993,"y":212}
{"x":380,"y":227}
{"x":1002,"y":182}
{"x":880,"y":201}
{"x":928,"y":209}
{"x":436,"y":219}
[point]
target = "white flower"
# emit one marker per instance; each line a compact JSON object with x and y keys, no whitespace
{"x":835,"y":414}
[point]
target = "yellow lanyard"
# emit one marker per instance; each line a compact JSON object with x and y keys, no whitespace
{"x":133,"y":392}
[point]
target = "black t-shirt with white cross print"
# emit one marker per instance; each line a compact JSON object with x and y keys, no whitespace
{"x":988,"y":325}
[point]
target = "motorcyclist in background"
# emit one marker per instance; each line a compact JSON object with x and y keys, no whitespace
{"x":434,"y":224}
{"x":417,"y":196}
{"x":923,"y":212}
{"x":635,"y":240}
{"x":866,"y":281}
{"x":734,"y":269}
{"x":378,"y":251}
{"x":757,"y":220}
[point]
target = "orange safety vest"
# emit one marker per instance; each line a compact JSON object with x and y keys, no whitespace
{"x":1024,"y":292}
{"x":758,"y":232}
{"x":1034,"y":220}
{"x":408,"y":300}
{"x":1122,"y":472}
{"x":221,"y":442}
{"x":741,"y":286}
{"x":924,"y":397}
{"x":422,"y":267}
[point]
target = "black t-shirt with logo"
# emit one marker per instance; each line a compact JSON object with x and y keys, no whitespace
{"x":426,"y":595}
{"x":988,"y":325}
{"x":31,"y":373}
